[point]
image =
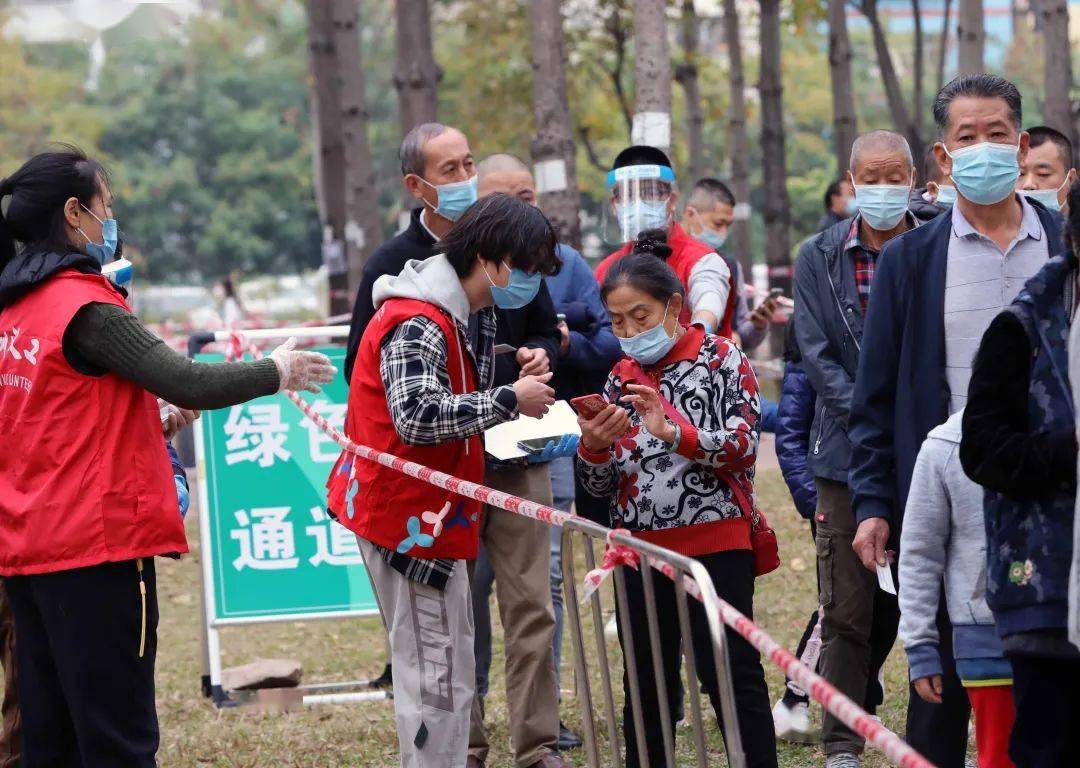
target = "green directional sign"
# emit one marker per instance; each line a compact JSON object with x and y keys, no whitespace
{"x":273,"y":552}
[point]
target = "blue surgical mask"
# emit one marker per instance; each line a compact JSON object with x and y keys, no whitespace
{"x":1048,"y":197}
{"x":635,"y":218}
{"x":712,"y":238}
{"x":851,"y":207}
{"x":945,"y":195}
{"x":105,"y":250}
{"x":985,"y":173}
{"x":649,"y":347}
{"x":521,"y":289}
{"x":454,"y":198}
{"x":882,"y":206}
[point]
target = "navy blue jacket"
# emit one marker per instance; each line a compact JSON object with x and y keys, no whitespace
{"x":829,"y":327}
{"x":900,"y":389}
{"x":1020,"y":443}
{"x":793,"y":420}
{"x":594,"y":350}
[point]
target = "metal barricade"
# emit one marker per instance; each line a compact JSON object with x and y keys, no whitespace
{"x":690,"y":579}
{"x":683,"y":567}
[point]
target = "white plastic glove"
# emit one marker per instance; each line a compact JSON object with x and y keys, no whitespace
{"x":299,"y":370}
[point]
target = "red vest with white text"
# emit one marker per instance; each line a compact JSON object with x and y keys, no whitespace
{"x":382,"y":505}
{"x":84,"y":475}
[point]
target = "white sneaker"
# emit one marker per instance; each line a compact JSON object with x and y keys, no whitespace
{"x":843,"y":760}
{"x":793,"y":723}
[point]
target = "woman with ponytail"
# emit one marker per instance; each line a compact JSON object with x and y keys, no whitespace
{"x":87,"y":495}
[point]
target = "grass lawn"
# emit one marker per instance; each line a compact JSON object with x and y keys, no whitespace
{"x":195,"y":733}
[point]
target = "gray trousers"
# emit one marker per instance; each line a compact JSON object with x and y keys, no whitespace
{"x":431,"y":645}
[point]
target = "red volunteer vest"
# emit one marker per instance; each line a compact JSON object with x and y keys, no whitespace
{"x":686,"y":252}
{"x":84,"y":475}
{"x":382,"y":505}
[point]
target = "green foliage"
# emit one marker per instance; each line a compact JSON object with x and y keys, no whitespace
{"x":215,"y":169}
{"x":39,"y":105}
{"x":209,"y":141}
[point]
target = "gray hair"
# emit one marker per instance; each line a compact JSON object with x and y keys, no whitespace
{"x":881,"y":140}
{"x":412,"y":146}
{"x":981,"y":86}
{"x":500,"y":163}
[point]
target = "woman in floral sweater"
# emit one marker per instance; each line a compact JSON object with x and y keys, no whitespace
{"x":679,"y":474}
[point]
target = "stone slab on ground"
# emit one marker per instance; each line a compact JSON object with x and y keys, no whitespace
{"x":263,"y":673}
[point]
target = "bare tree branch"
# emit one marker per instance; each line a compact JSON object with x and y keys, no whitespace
{"x":590,"y":150}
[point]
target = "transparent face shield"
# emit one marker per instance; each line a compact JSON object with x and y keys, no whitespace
{"x":639,"y":198}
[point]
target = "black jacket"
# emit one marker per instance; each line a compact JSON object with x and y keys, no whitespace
{"x":901,"y":392}
{"x":390,"y":258}
{"x":828,"y":328}
{"x":921,"y":209}
{"x":30,"y":268}
{"x":535,"y":325}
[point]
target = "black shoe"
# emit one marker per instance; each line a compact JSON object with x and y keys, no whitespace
{"x":385,"y":680}
{"x":568,"y":740}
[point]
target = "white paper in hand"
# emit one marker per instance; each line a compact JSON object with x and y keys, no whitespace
{"x":885,"y":579}
{"x":501,"y":441}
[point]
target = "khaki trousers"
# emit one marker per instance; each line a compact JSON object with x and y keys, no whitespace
{"x":519,"y":550}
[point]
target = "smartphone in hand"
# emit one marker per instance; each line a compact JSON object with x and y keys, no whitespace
{"x":589,"y":406}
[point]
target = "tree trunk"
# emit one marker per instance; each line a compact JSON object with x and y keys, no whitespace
{"x":553,"y":148}
{"x":687,"y":75}
{"x":893,"y":93}
{"x":329,"y":150}
{"x":363,"y":229}
{"x":917,"y":108}
{"x":1018,"y":13}
{"x":845,"y":123}
{"x":777,"y":207}
{"x":971,"y":36}
{"x":943,"y":46}
{"x":652,"y":73}
{"x":738,"y":140}
{"x":416,"y":75}
{"x":1058,"y":112}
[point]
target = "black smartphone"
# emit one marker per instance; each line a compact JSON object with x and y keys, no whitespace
{"x":536,"y":444}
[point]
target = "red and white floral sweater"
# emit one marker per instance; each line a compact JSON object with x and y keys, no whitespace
{"x":681,"y":496}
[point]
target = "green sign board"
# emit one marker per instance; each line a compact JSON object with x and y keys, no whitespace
{"x":273,"y":554}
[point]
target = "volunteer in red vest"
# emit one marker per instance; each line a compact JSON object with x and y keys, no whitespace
{"x":420,"y":390}
{"x":87,"y":496}
{"x":643,"y":195}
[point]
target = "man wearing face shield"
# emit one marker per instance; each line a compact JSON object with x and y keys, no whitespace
{"x":936,"y":290}
{"x":643,"y":195}
{"x":833,"y":277}
{"x":438,"y":170}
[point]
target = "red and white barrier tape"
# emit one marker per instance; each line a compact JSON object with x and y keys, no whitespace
{"x":843,"y":708}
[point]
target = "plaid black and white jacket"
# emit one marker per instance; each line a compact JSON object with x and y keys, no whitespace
{"x":413,"y":364}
